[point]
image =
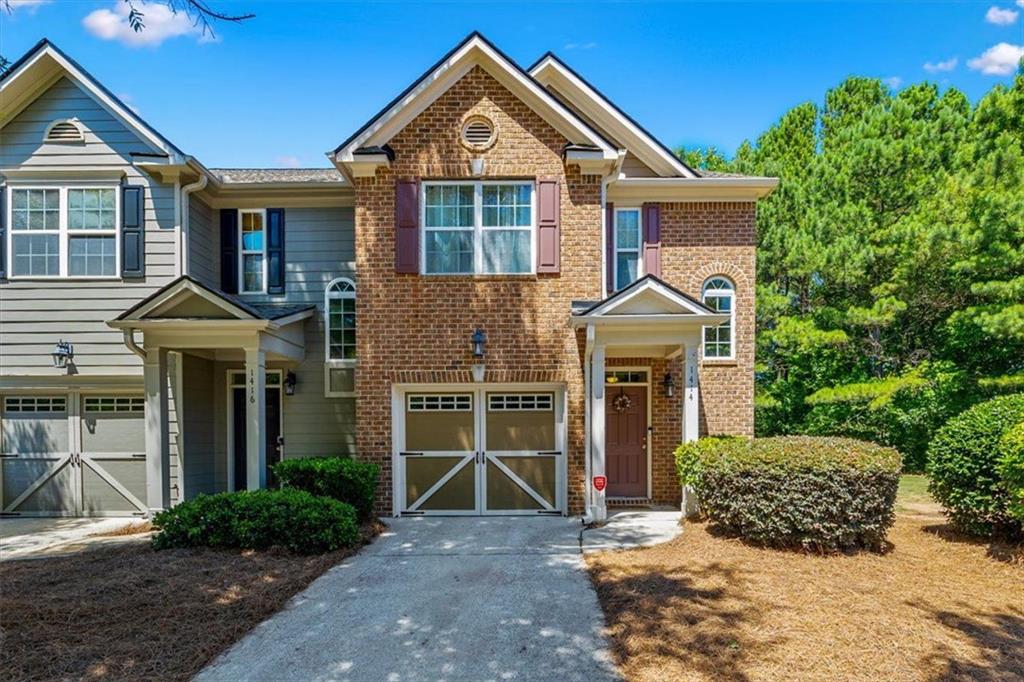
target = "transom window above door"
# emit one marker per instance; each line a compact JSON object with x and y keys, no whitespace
{"x":628,"y":244}
{"x":478,"y":228}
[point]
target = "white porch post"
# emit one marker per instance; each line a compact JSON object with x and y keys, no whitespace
{"x":158,"y":465}
{"x":691,"y":397}
{"x":599,"y":509}
{"x":255,"y":419}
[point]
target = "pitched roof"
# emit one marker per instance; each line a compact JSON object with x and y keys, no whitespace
{"x":256,"y":176}
{"x":582,"y":308}
{"x":258,"y":311}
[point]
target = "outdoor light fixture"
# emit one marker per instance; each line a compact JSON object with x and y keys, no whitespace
{"x":479,"y":339}
{"x":289,"y":383}
{"x":62,"y":354}
{"x":669,"y":384}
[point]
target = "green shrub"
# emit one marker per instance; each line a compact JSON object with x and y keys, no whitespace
{"x":343,"y":479}
{"x":1011,"y":470}
{"x":823,"y":494}
{"x":963,"y":459}
{"x":259,"y":519}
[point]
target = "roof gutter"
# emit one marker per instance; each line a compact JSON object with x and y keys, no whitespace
{"x":129,"y":340}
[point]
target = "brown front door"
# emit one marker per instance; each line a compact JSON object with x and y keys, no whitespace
{"x":626,"y":440}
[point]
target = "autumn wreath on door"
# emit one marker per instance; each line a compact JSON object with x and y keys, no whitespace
{"x":622,"y":402}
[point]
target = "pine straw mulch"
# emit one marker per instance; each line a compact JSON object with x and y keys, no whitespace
{"x":937,"y":606}
{"x":125,"y":611}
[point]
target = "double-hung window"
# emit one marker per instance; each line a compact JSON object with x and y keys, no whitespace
{"x":628,"y":242}
{"x":63,"y":232}
{"x":478,"y":228}
{"x":340,"y":336}
{"x":252,"y":250}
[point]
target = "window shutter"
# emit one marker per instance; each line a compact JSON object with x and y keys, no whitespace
{"x":229,"y":250}
{"x":3,"y":232}
{"x":275,"y":251}
{"x":652,"y":239}
{"x":609,"y":246}
{"x":407,"y":226}
{"x":133,"y":232}
{"x":549,"y":237}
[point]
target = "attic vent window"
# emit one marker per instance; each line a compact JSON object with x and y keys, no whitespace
{"x":64,"y":131}
{"x":478,"y":133}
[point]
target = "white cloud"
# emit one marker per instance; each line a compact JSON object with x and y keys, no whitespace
{"x":998,"y":60}
{"x":30,"y":5}
{"x":947,"y":65}
{"x":893,"y":82}
{"x":160,"y":24}
{"x":579,"y":46}
{"x":1020,"y":3}
{"x":288,"y":161}
{"x":1001,"y":17}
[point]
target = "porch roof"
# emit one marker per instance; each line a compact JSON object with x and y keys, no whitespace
{"x":647,"y":299}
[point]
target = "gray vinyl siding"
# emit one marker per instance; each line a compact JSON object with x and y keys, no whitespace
{"x":36,"y":313}
{"x":199,"y":417}
{"x":203,"y":243}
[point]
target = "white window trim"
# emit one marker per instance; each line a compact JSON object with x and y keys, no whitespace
{"x":639,"y":245}
{"x":330,"y":363}
{"x":242,"y":253}
{"x":63,"y":233}
{"x":478,"y":229}
{"x":731,"y":293}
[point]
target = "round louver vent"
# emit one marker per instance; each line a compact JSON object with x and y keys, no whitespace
{"x":64,"y":131}
{"x":478,"y":133}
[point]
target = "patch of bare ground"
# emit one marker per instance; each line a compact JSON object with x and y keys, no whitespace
{"x":125,"y":611}
{"x":936,"y":606}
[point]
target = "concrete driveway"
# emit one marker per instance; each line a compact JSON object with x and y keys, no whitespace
{"x":443,"y":599}
{"x":22,"y":537}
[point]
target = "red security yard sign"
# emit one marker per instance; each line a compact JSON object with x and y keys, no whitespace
{"x":600,"y":482}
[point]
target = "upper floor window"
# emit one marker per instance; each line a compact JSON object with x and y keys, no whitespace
{"x":252,"y":251}
{"x":628,"y":262}
{"x":719,"y":294}
{"x":478,"y":228}
{"x":63,"y":232}
{"x":340,"y":337}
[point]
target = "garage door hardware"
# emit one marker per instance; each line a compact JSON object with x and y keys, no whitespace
{"x":410,"y":454}
{"x":550,"y":452}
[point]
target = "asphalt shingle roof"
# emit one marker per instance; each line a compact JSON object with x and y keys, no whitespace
{"x":250,"y":176}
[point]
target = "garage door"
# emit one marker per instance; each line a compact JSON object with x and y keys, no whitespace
{"x":482,"y":452}
{"x":71,"y":455}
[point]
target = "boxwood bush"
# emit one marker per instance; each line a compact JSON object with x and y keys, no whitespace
{"x":1011,"y":469}
{"x":821,"y":494}
{"x":259,"y":519}
{"x":341,"y":478}
{"x":963,"y":461}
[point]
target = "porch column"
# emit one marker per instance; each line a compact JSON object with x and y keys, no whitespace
{"x":255,"y":419}
{"x":598,"y":509}
{"x":158,"y":465}
{"x":691,"y":388}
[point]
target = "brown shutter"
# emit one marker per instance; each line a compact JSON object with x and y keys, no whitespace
{"x":652,"y":239}
{"x":609,"y":245}
{"x":549,"y":237}
{"x":407,"y":226}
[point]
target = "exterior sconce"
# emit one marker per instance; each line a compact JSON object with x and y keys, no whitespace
{"x":289,"y":383}
{"x":477,"y":166}
{"x":62,"y":354}
{"x":669,"y":384}
{"x":479,"y":339}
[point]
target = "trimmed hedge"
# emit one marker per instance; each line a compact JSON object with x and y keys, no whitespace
{"x":963,"y":461}
{"x":343,"y":479}
{"x":821,"y":494}
{"x":1011,"y":470}
{"x":259,"y":519}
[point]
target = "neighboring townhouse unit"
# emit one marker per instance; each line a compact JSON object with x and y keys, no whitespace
{"x":505,"y":292}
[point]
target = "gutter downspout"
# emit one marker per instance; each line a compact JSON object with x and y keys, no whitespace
{"x":185,"y":192}
{"x":129,"y":341}
{"x":588,"y":517}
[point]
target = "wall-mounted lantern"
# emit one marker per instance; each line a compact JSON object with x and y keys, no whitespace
{"x":479,"y":339}
{"x":62,"y":354}
{"x":669,"y":384}
{"x":289,"y":383}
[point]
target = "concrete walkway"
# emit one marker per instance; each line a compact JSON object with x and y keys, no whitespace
{"x":492,"y":598}
{"x":23,"y":537}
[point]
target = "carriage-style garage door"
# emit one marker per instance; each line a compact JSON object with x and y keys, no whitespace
{"x":72,"y":455}
{"x":481,"y":451}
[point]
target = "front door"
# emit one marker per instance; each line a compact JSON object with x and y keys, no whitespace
{"x":273,"y":408}
{"x":482,"y":452}
{"x":626,"y":440}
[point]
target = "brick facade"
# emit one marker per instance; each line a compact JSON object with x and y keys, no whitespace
{"x":416,"y":329}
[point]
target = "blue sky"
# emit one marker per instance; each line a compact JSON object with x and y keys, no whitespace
{"x":283,"y":88}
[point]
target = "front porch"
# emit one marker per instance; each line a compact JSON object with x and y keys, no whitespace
{"x":213,"y":336}
{"x":650,"y":320}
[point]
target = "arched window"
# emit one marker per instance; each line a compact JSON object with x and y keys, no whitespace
{"x":340,"y":337}
{"x":719,"y":294}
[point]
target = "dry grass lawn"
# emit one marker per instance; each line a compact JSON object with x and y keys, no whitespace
{"x":937,"y":606}
{"x":123,"y":611}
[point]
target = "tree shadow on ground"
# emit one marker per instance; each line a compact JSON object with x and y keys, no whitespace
{"x":997,"y":638}
{"x":663,"y":614}
{"x":1007,"y":551}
